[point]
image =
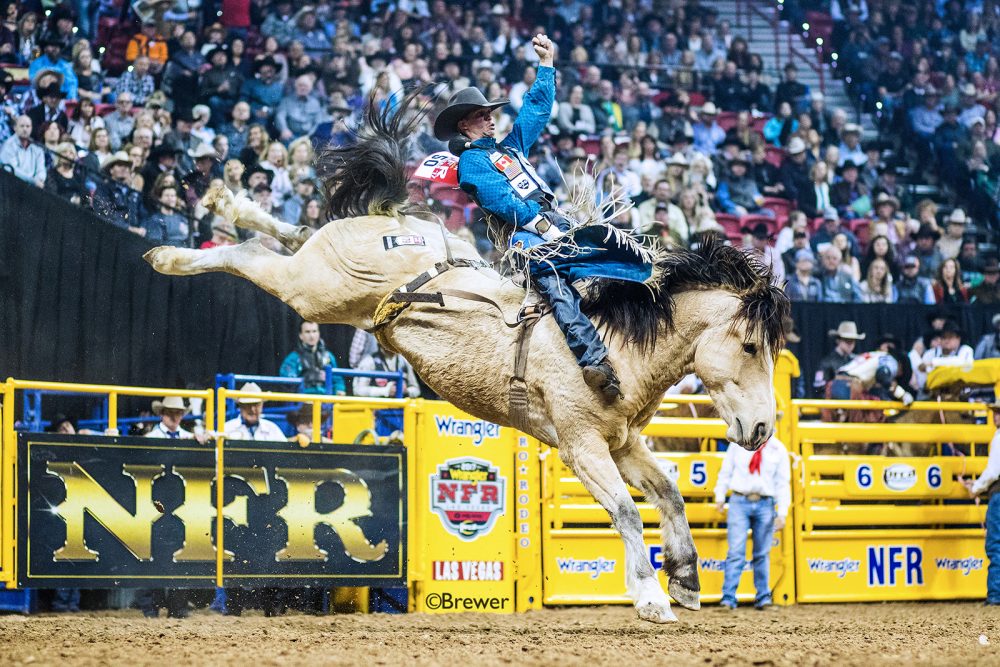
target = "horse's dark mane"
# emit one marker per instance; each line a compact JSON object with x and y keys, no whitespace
{"x":637,"y":311}
{"x":368,"y":177}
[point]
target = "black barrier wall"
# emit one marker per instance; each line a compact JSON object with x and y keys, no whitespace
{"x":78,"y":304}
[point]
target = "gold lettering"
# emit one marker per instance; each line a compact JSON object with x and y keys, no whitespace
{"x":301,"y":517}
{"x":84,"y":495}
{"x":197,"y":513}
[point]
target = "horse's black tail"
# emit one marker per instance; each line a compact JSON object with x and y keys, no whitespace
{"x":368,"y":177}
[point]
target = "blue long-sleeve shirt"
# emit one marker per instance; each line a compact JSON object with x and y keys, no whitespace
{"x":478,"y":176}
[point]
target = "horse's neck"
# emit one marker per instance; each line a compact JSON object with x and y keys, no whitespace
{"x":673,"y":357}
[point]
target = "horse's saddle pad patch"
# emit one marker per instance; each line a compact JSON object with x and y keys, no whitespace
{"x":391,"y":242}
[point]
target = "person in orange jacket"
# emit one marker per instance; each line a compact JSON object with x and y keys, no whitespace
{"x":148,"y":43}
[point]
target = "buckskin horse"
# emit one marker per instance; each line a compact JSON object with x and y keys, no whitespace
{"x":712,"y":311}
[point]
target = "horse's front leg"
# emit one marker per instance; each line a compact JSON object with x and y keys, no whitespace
{"x":591,"y":461}
{"x":680,"y":558}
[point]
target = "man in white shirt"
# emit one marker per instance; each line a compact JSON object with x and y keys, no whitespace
{"x":949,"y":351}
{"x":988,"y":484}
{"x":760,"y":482}
{"x":250,"y":425}
{"x":171,"y":411}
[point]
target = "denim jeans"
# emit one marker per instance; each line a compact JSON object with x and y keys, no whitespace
{"x":580,"y":333}
{"x":993,"y":550}
{"x":758,"y":517}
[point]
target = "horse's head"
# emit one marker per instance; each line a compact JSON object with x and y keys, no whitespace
{"x":734,"y":358}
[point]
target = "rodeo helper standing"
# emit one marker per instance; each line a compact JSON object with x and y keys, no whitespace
{"x":761,"y":488}
{"x":988,"y":484}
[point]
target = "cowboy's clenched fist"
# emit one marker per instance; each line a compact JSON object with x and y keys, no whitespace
{"x":544,"y":49}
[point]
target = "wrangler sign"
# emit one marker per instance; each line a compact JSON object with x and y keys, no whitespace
{"x":98,"y":511}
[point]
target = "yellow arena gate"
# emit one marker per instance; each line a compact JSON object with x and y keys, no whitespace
{"x":872,"y":528}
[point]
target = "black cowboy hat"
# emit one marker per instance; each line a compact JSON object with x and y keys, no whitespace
{"x":758,"y":231}
{"x":58,"y":421}
{"x":6,"y":78}
{"x":461,"y":105}
{"x":257,"y":169}
{"x":951,"y":327}
{"x":51,"y":90}
{"x":266,"y":60}
{"x":848,"y":164}
{"x":164,"y":149}
{"x":927,"y":232}
{"x":743,"y":158}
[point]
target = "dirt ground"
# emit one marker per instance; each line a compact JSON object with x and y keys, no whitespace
{"x":931,"y":634}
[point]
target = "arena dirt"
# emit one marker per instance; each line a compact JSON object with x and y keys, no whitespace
{"x":932,"y":634}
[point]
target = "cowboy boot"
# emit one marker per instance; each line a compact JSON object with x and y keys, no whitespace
{"x":603,"y":378}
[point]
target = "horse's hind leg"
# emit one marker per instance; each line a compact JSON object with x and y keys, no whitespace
{"x":245,"y":213}
{"x":591,"y":461}
{"x":680,"y":558}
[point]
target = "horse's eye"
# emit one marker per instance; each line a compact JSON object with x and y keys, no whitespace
{"x":750,"y":348}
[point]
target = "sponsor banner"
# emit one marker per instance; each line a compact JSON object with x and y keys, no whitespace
{"x":440,"y":167}
{"x":466,"y":486}
{"x":879,"y":567}
{"x":100,"y":511}
{"x":468,"y":570}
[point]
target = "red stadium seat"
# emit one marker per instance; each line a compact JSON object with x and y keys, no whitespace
{"x":781,"y":207}
{"x":696,"y":99}
{"x":815,"y":224}
{"x":758,"y":123}
{"x":862,"y":229}
{"x":775,"y":155}
{"x":730,"y":223}
{"x":592,"y":146}
{"x":726,"y":119}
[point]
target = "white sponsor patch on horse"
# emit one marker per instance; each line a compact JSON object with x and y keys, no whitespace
{"x":391,"y":242}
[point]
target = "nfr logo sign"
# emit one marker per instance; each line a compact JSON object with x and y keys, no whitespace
{"x":887,"y":563}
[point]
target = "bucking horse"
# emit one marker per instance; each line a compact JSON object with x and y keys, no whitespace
{"x":711,"y":311}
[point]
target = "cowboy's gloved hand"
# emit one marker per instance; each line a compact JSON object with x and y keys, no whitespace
{"x":549,"y":225}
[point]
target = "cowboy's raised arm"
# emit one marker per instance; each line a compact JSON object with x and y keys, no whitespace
{"x":537,"y":106}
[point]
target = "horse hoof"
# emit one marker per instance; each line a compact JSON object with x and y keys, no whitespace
{"x":163,"y":260}
{"x":655,"y":613}
{"x":684,"y":596}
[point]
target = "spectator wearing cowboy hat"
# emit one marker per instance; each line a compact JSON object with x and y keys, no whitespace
{"x":950,"y":244}
{"x":846,"y":337}
{"x":250,"y":425}
{"x":949,"y":351}
{"x":849,"y":195}
{"x":219,"y":85}
{"x":162,"y":160}
{"x":264,"y":91}
{"x":987,"y":484}
{"x":52,"y":59}
{"x":926,"y":251}
{"x":760,"y":246}
{"x":114,"y":199}
{"x":183,"y":140}
{"x":850,"y":145}
{"x":988,"y":291}
{"x":223,"y":234}
{"x":49,"y":111}
{"x":171,"y":411}
{"x":195,"y":183}
{"x":913,"y":287}
{"x":738,"y":193}
{"x":707,"y":132}
{"x":794,"y":170}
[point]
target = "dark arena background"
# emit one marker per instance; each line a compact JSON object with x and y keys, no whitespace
{"x":190,"y":473}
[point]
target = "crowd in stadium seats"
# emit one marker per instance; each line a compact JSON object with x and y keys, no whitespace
{"x":665,"y":100}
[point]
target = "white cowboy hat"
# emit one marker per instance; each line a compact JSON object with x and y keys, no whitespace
{"x":202,"y":150}
{"x":795,"y":146}
{"x":121,"y":157}
{"x":678,"y":159}
{"x":848,"y":330}
{"x":169,"y":403}
{"x":957,"y":217}
{"x":709,"y":109}
{"x":249,"y":386}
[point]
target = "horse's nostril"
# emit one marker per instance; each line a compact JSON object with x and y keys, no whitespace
{"x":759,"y":432}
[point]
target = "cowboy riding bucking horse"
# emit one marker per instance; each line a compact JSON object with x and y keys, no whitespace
{"x":499,"y":178}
